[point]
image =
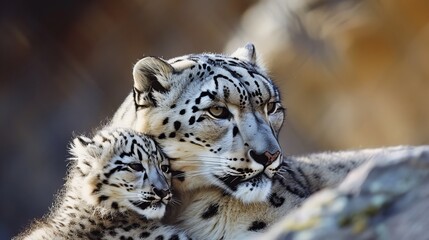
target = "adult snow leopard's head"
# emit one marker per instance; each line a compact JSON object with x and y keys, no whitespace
{"x":217,"y":117}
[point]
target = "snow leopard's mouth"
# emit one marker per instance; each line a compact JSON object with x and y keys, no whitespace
{"x":232,"y":182}
{"x":144,"y":205}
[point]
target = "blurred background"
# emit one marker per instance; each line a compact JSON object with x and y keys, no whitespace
{"x":353,"y":74}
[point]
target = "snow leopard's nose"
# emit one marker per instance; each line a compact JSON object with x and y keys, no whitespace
{"x":265,"y":158}
{"x":162,"y":193}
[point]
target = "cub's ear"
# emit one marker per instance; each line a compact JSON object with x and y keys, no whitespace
{"x":246,"y":53}
{"x":151,"y":77}
{"x":83,"y":148}
{"x":82,"y":141}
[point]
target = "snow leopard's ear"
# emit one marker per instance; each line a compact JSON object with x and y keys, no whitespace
{"x":151,"y":79}
{"x":85,"y":148}
{"x":246,"y":53}
{"x":86,"y":153}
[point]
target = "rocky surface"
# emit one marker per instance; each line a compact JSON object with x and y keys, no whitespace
{"x":387,"y":198}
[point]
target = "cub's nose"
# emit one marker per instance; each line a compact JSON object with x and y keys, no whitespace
{"x":265,"y":158}
{"x":162,"y":193}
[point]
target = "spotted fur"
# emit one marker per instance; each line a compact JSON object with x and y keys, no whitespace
{"x":216,"y":116}
{"x":118,"y":187}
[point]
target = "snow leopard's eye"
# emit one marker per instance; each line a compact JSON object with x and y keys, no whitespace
{"x":136,"y":167}
{"x":271,"y":107}
{"x":219,"y":112}
{"x":165,"y":168}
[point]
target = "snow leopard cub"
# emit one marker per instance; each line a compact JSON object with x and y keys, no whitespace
{"x":117,"y":187}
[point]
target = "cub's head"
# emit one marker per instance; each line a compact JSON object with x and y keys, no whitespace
{"x":120,"y":170}
{"x":217,"y":117}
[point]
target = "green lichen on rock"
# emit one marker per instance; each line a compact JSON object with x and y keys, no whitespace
{"x":358,"y":221}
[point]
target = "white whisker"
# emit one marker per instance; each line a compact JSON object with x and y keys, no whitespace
{"x":283,"y":177}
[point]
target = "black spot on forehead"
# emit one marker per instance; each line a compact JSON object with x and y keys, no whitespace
{"x":226,"y":92}
{"x":233,"y":73}
{"x":204,"y":94}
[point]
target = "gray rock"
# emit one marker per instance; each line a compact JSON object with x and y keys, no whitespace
{"x":386,"y":198}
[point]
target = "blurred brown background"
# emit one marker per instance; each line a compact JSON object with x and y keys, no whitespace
{"x":353,"y":74}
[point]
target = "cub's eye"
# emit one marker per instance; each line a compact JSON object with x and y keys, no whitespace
{"x":136,"y":167}
{"x":271,"y":107}
{"x":165,"y":168}
{"x":219,"y":112}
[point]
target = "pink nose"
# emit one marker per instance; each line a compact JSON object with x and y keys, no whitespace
{"x":266,"y":158}
{"x":272,"y":157}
